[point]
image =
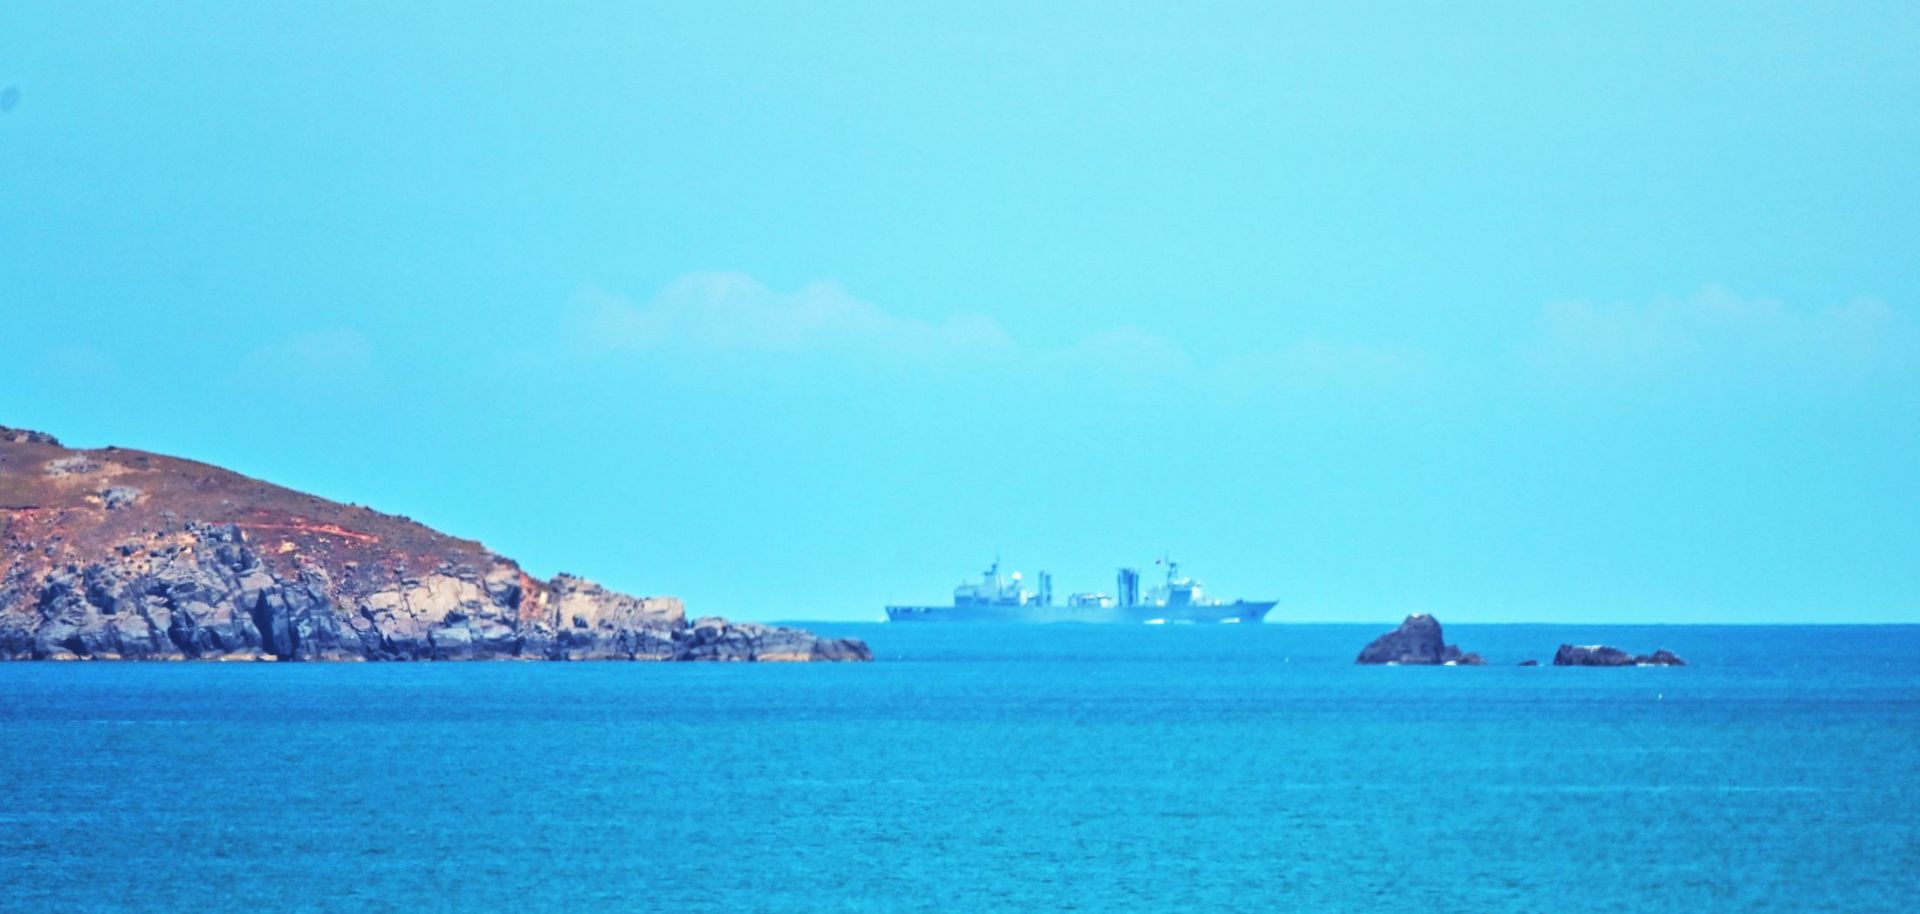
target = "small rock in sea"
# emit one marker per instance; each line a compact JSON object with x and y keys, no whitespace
{"x":1605,"y":655}
{"x":1591,"y":655}
{"x":1418,"y":641}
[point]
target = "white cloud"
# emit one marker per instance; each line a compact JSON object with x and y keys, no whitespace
{"x":1351,"y":366}
{"x":1321,"y":369}
{"x":732,"y":311}
{"x":1712,"y":337}
{"x":78,"y":362}
{"x":331,"y":355}
{"x":1131,"y":347}
{"x":713,"y":313}
{"x":1717,"y":334}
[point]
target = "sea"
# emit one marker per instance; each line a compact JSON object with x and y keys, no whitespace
{"x":1163,"y":768}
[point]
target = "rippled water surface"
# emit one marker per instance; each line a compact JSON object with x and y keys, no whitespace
{"x":1090,"y":769}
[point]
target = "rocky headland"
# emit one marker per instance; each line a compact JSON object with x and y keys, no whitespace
{"x":1604,"y":655}
{"x":114,"y":554}
{"x":1418,"y":641}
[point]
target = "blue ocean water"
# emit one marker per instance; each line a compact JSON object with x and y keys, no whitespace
{"x":984,"y":769}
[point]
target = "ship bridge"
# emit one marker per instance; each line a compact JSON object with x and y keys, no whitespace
{"x":995,"y":590}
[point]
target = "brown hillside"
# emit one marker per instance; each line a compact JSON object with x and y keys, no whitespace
{"x":124,"y":553}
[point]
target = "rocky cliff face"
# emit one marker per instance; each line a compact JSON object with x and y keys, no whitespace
{"x":1418,"y":641}
{"x":122,"y":554}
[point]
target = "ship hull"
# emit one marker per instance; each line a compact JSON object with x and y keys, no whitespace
{"x":1224,"y":613}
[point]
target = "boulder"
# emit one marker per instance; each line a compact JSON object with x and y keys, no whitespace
{"x":1418,"y":641}
{"x":77,"y":465}
{"x":840,"y":649}
{"x":117,"y":497}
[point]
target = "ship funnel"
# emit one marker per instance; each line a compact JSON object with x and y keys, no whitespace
{"x":1129,"y":587}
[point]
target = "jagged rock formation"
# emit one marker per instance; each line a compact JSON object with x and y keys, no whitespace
{"x":21,"y":435}
{"x":122,"y":554}
{"x":1418,"y":641}
{"x":1604,"y":655}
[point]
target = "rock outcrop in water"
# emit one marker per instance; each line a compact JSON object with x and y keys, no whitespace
{"x":1418,"y":641}
{"x":123,"y":554}
{"x":1604,"y":655}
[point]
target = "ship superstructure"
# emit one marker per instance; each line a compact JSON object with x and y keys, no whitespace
{"x":994,"y":597}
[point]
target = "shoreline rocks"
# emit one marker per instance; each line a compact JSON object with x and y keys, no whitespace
{"x":1417,"y":642}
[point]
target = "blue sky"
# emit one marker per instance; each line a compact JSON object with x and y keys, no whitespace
{"x":1499,"y":311}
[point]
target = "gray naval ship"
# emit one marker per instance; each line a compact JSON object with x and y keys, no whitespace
{"x":1002,"y":599}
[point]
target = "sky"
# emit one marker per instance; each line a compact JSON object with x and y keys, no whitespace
{"x":1499,"y":311}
